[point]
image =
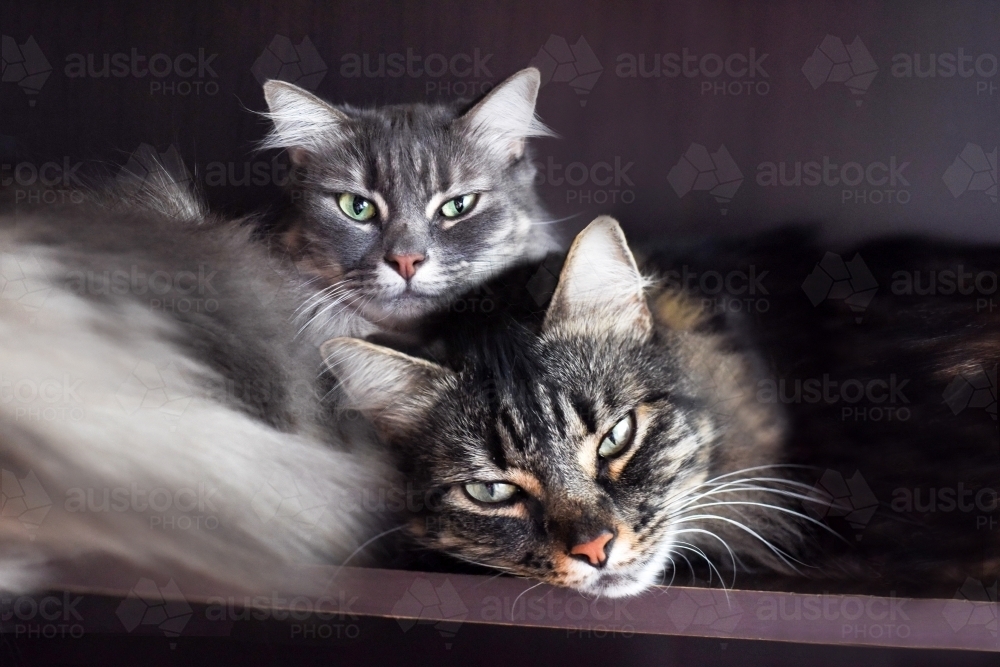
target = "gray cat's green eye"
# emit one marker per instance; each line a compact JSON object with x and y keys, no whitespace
{"x":618,"y":438}
{"x":491,"y":492}
{"x":459,"y":206}
{"x":356,"y":207}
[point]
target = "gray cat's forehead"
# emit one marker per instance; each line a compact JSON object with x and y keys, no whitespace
{"x":409,"y":152}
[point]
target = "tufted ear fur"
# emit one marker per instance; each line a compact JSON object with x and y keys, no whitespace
{"x":505,"y":118}
{"x":600,"y":289}
{"x":303,"y":123}
{"x":392,"y":389}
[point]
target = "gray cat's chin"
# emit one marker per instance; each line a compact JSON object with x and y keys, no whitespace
{"x":402,"y":310}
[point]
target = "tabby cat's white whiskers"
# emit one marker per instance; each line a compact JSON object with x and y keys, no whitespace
{"x":708,"y":561}
{"x":781,"y":554}
{"x":362,"y":547}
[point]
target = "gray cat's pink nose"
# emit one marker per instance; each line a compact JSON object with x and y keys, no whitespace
{"x":405,"y":265}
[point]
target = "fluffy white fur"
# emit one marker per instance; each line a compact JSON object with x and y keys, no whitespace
{"x":279,"y":499}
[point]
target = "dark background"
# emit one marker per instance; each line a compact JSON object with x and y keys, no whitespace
{"x":645,"y":124}
{"x":53,"y":123}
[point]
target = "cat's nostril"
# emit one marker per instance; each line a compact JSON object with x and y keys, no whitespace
{"x":596,"y":550}
{"x":405,"y":264}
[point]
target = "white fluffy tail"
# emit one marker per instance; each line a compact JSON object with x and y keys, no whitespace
{"x":112,"y":448}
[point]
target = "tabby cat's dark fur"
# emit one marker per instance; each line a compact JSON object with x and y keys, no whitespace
{"x":507,"y":445}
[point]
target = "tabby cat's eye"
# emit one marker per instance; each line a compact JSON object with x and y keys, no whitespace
{"x":356,"y":207}
{"x":459,"y":205}
{"x":491,"y":492}
{"x":618,"y":438}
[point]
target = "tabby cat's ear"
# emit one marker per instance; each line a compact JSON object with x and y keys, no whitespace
{"x":600,"y":289}
{"x":303,"y":123}
{"x":505,"y":118}
{"x":391,"y":389}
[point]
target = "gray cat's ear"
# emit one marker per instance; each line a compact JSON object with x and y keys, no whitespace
{"x":391,"y":389}
{"x":303,"y":123}
{"x":600,"y":289}
{"x":505,"y":118}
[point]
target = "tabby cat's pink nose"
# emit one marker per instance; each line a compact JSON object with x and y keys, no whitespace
{"x":596,"y":550}
{"x":405,"y":265}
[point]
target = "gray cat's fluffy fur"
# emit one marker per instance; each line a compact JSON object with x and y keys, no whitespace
{"x":188,"y":347}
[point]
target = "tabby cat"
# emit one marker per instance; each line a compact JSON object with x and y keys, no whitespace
{"x":629,"y":433}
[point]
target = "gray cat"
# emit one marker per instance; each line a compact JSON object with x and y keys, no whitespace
{"x":400,"y":209}
{"x":162,"y":400}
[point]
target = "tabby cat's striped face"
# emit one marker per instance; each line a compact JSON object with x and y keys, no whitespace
{"x":563,"y":463}
{"x":565,"y":456}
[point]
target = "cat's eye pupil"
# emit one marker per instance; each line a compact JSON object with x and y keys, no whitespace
{"x":618,"y":438}
{"x":491,"y":492}
{"x":356,"y":207}
{"x":459,"y":205}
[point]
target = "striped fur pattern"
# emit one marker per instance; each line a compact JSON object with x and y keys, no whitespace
{"x":408,"y":161}
{"x":530,"y":409}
